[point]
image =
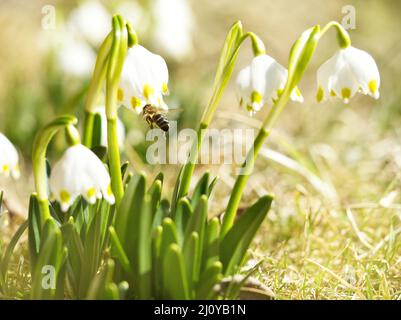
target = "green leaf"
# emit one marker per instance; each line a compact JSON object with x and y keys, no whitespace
{"x":300,"y":55}
{"x":175,"y":284}
{"x":51,"y":254}
{"x":208,"y":281}
{"x":201,"y":188}
{"x":211,"y":186}
{"x":197,"y":223}
{"x":155,"y":192}
{"x":182,"y":215}
{"x":97,"y":131}
{"x":212,"y":243}
{"x":4,"y":261}
{"x":162,"y":212}
{"x":119,"y":251}
{"x":236,"y":242}
{"x":157,"y":267}
{"x":143,"y":262}
{"x":192,"y":260}
{"x":34,"y":229}
{"x":174,"y":197}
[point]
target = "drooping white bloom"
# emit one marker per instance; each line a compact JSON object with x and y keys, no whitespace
{"x":120,"y":128}
{"x":349,"y":71}
{"x":144,"y":79}
{"x":173,"y":27}
{"x":80,"y":172}
{"x":8,"y":158}
{"x":262,"y":82}
{"x":91,"y":20}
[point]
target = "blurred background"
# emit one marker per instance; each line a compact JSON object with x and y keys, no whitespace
{"x":322,"y":158}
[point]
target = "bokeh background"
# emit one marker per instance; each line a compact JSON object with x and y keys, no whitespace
{"x":334,"y":169}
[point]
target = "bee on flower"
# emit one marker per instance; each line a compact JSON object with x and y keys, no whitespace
{"x":8,"y":158}
{"x":349,"y":71}
{"x":144,"y":80}
{"x":262,"y":82}
{"x":79,"y":172}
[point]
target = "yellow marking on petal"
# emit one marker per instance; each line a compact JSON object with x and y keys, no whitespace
{"x":165,"y":88}
{"x":298,"y":92}
{"x":319,"y":94}
{"x":91,"y":192}
{"x":256,"y":97}
{"x":249,"y":108}
{"x":120,"y":94}
{"x":109,"y":190}
{"x":372,"y":86}
{"x":135,"y":102}
{"x":6,"y":167}
{"x":148,"y":91}
{"x":65,"y":196}
{"x":346,"y":93}
{"x":332,"y":93}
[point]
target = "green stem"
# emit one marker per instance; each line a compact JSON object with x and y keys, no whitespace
{"x":247,"y":166}
{"x":223,"y":76}
{"x":116,"y":60}
{"x":95,"y":87}
{"x":343,"y":37}
{"x":40,"y":145}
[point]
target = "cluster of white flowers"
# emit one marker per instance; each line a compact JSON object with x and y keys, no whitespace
{"x":8,"y":158}
{"x":349,"y":71}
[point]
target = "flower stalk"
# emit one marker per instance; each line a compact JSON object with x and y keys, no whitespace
{"x":300,"y":56}
{"x":228,"y":57}
{"x":117,"y":55}
{"x":40,"y":145}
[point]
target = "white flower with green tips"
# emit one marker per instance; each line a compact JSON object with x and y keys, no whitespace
{"x":262,"y":82}
{"x":349,"y":71}
{"x":144,"y":80}
{"x":79,"y":172}
{"x":8,"y":158}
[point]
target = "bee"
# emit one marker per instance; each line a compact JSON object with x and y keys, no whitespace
{"x":154,"y":116}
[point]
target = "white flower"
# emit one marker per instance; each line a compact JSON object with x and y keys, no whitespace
{"x":349,"y":71}
{"x":80,"y":172}
{"x":144,"y":79}
{"x":262,"y":82}
{"x":120,"y":128}
{"x":8,"y":158}
{"x":173,"y":27}
{"x":91,"y":20}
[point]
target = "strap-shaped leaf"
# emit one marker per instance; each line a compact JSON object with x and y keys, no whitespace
{"x":34,"y":230}
{"x":50,"y":255}
{"x":197,"y":223}
{"x":157,"y":267}
{"x":143,"y":260}
{"x":208,"y":281}
{"x":119,"y":252}
{"x":235,"y":244}
{"x":212,"y":243}
{"x":4,"y":261}
{"x":162,"y":211}
{"x":201,"y":188}
{"x":175,"y":284}
{"x":192,"y":260}
{"x":155,"y":192}
{"x":182,"y":215}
